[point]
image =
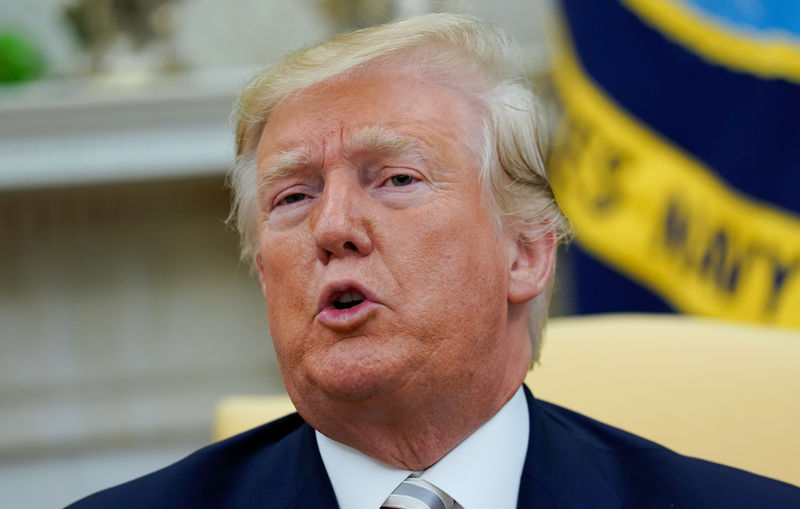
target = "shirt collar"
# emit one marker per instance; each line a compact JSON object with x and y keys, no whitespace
{"x":482,"y":471}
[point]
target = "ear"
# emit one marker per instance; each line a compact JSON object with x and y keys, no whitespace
{"x":532,"y":264}
{"x":262,"y":278}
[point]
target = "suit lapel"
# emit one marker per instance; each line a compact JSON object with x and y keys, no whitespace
{"x":557,"y":472}
{"x":286,"y":474}
{"x":311,"y":487}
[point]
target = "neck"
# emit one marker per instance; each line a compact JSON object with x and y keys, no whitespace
{"x":415,"y":424}
{"x":412,"y":436}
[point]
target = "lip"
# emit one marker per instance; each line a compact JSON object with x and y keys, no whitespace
{"x":343,"y":319}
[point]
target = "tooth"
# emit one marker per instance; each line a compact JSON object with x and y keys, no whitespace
{"x":350,"y":297}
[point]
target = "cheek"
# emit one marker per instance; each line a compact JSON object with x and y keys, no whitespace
{"x":463,"y":252}
{"x":287,"y":281}
{"x":455,"y":269}
{"x":284,"y":255}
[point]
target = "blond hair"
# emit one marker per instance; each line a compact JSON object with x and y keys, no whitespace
{"x":460,"y":50}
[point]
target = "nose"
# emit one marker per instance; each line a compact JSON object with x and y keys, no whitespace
{"x":340,"y":221}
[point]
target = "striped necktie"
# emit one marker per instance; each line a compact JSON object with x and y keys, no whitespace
{"x":416,"y":493}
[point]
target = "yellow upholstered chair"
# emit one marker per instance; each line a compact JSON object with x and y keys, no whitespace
{"x":721,"y":391}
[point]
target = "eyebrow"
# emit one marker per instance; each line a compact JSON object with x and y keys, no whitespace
{"x":372,"y":140}
{"x":285,"y":164}
{"x":383,"y":142}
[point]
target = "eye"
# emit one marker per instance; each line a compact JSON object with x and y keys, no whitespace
{"x":294,"y":198}
{"x":291,"y":198}
{"x":402,"y":180}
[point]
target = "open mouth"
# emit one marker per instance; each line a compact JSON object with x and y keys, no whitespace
{"x":348,"y":300}
{"x":346,"y":305}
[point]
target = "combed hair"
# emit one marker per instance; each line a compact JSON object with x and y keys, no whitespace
{"x":459,"y":50}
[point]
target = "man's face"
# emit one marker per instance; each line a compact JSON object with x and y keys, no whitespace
{"x":382,"y":268}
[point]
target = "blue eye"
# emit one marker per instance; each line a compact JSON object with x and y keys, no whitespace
{"x":294,"y":198}
{"x":402,"y":180}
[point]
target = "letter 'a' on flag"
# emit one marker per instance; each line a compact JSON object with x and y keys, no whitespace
{"x":678,"y":155}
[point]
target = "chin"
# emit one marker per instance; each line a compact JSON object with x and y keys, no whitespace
{"x":356,"y":370}
{"x":354,"y":388}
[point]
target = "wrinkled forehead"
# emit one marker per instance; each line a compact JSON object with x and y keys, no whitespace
{"x":382,"y":107}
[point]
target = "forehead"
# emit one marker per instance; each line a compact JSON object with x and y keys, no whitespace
{"x":408,"y":104}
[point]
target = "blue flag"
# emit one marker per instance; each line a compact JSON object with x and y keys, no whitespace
{"x":678,"y":155}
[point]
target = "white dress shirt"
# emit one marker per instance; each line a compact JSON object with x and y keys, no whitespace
{"x":482,"y":472}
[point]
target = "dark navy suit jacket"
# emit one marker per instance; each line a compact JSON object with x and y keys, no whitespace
{"x":572,"y":462}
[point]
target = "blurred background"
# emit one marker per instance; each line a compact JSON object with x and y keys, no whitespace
{"x":125,"y":314}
